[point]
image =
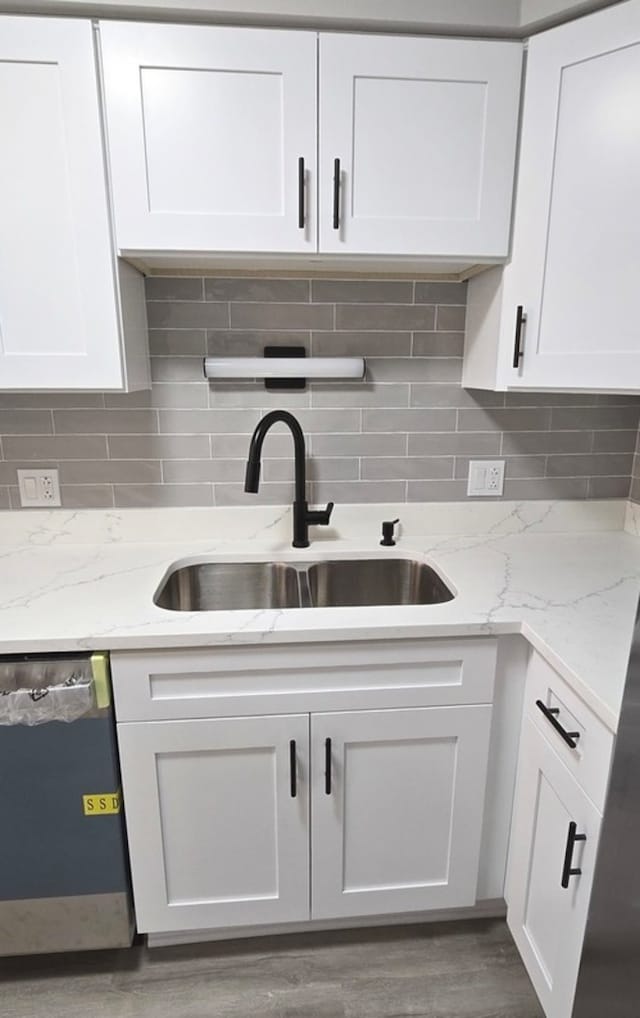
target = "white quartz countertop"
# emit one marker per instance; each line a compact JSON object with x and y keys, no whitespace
{"x":564,"y":575}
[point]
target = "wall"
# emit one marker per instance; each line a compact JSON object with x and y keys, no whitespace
{"x":406,"y":434}
{"x":635,"y":479}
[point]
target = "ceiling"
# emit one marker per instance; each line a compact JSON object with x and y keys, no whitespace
{"x":512,"y":18}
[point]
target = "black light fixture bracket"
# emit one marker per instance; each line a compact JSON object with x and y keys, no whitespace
{"x":278,"y":384}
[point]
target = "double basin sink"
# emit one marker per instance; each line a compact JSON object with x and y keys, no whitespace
{"x":225,"y":586}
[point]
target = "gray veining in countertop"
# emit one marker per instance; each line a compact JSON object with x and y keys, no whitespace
{"x":565,"y":575}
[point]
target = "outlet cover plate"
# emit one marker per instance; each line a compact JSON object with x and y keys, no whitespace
{"x":39,"y":489}
{"x":486,"y":478}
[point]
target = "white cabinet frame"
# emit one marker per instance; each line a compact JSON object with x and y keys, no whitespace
{"x":70,"y":318}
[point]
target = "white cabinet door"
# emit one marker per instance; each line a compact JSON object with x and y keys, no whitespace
{"x":425,"y":132}
{"x":548,"y":920}
{"x":206,"y":129}
{"x":397,"y":805}
{"x":576,"y":252}
{"x":60,"y":325}
{"x":216,"y":836}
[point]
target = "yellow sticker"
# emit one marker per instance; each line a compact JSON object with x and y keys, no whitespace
{"x":101,"y":805}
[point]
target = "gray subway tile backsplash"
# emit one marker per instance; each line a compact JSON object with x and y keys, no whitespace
{"x":406,"y":433}
{"x":386,"y":317}
{"x":438,"y":344}
{"x":257,"y":290}
{"x":178,"y":342}
{"x":450,"y":319}
{"x":281,"y":316}
{"x":440,"y":293}
{"x":197,"y":314}
{"x":25,"y":422}
{"x":27,"y":448}
{"x":177,"y":288}
{"x":411,"y":468}
{"x":361,"y":344}
{"x":361,"y":291}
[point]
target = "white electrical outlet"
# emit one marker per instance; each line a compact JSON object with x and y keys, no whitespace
{"x":486,"y":477}
{"x":38,"y":488}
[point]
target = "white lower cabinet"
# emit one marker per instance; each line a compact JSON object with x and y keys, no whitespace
{"x":218,"y":815}
{"x":216,"y":837}
{"x":396,"y":809}
{"x":281,"y":785}
{"x":553,"y":849}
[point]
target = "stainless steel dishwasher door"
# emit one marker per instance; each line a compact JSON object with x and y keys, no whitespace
{"x":64,"y":881}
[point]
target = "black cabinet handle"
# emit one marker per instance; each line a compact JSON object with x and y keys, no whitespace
{"x":517,"y":347}
{"x":550,"y":715}
{"x":301,"y":193}
{"x":327,"y":766}
{"x":336,"y":194}
{"x":567,"y":870}
{"x":293,"y":768}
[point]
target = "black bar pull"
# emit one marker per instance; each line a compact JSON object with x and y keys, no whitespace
{"x":567,"y":870}
{"x":550,"y":714}
{"x":293,"y":768}
{"x":517,"y":347}
{"x":327,"y":766}
{"x":301,"y":193}
{"x":336,"y":194}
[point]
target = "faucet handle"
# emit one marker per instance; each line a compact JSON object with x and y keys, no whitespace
{"x":320,"y":517}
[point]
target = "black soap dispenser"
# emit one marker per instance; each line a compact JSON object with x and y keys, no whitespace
{"x":388,"y":539}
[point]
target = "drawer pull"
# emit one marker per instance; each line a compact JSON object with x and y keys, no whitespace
{"x":327,"y":766}
{"x":567,"y":870}
{"x":521,"y":319}
{"x":293,"y":768}
{"x":336,"y":194}
{"x":550,"y":714}
{"x":301,"y":193}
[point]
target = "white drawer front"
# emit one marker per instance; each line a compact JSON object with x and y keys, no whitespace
{"x":224,"y":681}
{"x":590,"y":761}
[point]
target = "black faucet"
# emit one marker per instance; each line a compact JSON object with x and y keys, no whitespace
{"x":302,"y":515}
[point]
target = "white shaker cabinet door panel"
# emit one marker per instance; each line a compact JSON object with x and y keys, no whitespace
{"x":207,"y":127}
{"x":397,"y":805}
{"x":547,"y":919}
{"x":425,"y":134}
{"x":60,"y":322}
{"x":576,"y":254}
{"x":217,"y":821}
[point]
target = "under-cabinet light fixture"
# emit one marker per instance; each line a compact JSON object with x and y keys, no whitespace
{"x":285,"y":367}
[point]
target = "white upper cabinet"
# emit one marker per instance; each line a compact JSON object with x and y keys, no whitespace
{"x":576,"y":251}
{"x":213,"y":141}
{"x":207,"y":129}
{"x":64,"y":311}
{"x":425,"y":134}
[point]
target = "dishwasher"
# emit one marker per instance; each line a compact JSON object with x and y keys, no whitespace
{"x":64,"y":878}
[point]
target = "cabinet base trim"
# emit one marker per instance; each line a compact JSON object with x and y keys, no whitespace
{"x":492,"y":908}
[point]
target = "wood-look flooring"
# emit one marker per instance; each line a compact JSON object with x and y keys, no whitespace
{"x":444,"y":970}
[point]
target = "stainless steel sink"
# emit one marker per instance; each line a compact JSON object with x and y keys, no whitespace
{"x":224,"y":586}
{"x":344,"y":582}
